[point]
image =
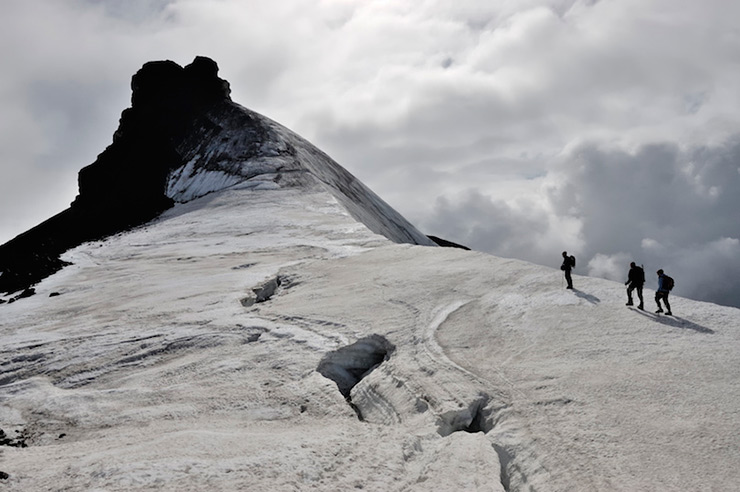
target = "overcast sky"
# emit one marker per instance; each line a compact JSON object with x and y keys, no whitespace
{"x":523,"y":128}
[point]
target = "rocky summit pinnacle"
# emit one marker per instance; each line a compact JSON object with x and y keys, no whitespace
{"x":125,"y":186}
{"x":183,"y":137}
{"x":128,"y":178}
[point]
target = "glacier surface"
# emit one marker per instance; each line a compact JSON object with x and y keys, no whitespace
{"x":185,"y":354}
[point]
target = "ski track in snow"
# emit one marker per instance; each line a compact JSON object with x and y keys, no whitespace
{"x":433,"y":349}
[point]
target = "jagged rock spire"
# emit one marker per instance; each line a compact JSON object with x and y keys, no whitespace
{"x":128,"y":179}
{"x":126,"y":185}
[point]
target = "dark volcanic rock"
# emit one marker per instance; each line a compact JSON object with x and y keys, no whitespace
{"x":129,"y":177}
{"x":125,"y":186}
{"x":16,"y":442}
{"x":447,"y":244}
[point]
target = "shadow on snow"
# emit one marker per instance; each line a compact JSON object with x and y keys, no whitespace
{"x":590,"y":298}
{"x":675,"y":322}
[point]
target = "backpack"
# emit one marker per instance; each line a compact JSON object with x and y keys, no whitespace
{"x":668,"y":283}
{"x":573,"y":261}
{"x":639,"y":275}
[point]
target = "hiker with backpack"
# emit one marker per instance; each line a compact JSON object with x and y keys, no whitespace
{"x":665,"y":284}
{"x":635,"y":281}
{"x":569,"y":262}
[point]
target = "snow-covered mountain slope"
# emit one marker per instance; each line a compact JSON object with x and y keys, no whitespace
{"x":211,"y":350}
{"x":181,"y":139}
{"x":232,"y":145}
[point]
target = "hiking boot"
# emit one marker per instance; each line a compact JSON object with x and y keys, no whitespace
{"x":629,"y":303}
{"x":640,"y":307}
{"x":668,"y":313}
{"x":659,"y":311}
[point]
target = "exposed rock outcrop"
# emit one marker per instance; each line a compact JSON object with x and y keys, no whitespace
{"x":447,"y":244}
{"x":125,"y":186}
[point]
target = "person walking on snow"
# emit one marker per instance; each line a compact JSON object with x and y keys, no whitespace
{"x":635,"y":281}
{"x":568,"y":263}
{"x":662,"y":292}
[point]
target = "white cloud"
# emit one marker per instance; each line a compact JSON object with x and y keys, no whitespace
{"x":569,"y":121}
{"x":612,"y":267}
{"x":652,"y":245}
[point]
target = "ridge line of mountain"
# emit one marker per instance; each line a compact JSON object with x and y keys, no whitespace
{"x":183,"y":137}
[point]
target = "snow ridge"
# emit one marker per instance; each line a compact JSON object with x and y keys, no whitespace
{"x":232,"y":145}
